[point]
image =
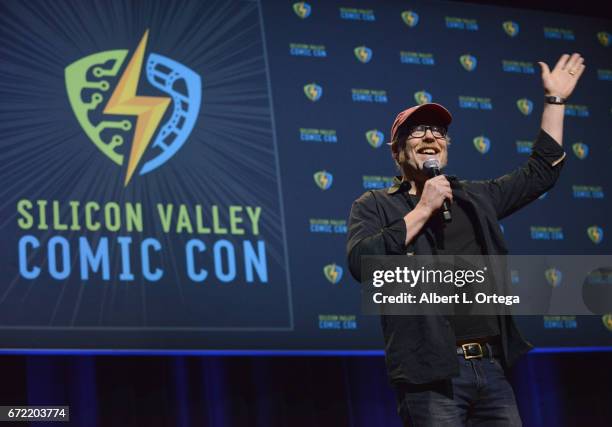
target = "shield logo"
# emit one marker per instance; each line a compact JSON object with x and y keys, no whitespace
{"x":333,"y":273}
{"x":375,"y":138}
{"x":511,"y":28}
{"x":553,"y":277}
{"x":515,"y":277}
{"x":604,"y":38}
{"x":580,"y":150}
{"x":595,"y":233}
{"x":607,"y":321}
{"x":482,"y":144}
{"x":410,"y":18}
{"x":363,"y":54}
{"x":77,"y":79}
{"x":302,"y":9}
{"x":525,"y":106}
{"x":96,"y":105}
{"x":468,"y":61}
{"x":422,"y":97}
{"x":313,"y":91}
{"x":323,"y":179}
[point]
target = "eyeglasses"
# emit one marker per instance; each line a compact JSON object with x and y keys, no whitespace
{"x":420,"y":130}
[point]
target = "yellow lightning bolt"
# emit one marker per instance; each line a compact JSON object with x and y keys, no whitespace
{"x":148,"y":109}
{"x":334,"y":273}
{"x":323,"y":179}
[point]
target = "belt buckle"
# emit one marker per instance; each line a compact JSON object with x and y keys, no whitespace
{"x":465,"y":347}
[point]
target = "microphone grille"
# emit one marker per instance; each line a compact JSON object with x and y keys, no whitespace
{"x":431,"y":164}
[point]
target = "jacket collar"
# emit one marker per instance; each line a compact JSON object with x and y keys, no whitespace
{"x":400,"y":186}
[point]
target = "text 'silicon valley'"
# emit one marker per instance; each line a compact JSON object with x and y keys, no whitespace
{"x":108,"y":117}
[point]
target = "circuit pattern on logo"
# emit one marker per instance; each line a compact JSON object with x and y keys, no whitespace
{"x":88,"y":88}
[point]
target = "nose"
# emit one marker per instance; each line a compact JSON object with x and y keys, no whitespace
{"x":428,"y":135}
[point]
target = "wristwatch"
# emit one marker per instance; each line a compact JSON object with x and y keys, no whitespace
{"x":554,"y":100}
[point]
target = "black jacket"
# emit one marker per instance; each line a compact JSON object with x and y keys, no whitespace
{"x":421,"y":349}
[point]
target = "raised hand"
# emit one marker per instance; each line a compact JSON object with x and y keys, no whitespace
{"x":562,"y":80}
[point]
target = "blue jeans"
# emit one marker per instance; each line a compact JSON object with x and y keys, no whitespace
{"x":479,"y":396}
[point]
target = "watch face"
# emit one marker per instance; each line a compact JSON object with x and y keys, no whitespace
{"x":554,"y":100}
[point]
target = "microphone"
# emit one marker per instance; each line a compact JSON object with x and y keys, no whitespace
{"x":432,"y":167}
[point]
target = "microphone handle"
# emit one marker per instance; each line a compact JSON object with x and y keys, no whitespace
{"x":446,"y":214}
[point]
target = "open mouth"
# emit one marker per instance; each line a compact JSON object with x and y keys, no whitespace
{"x":432,"y":151}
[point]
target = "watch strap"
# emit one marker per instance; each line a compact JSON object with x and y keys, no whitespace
{"x":554,"y":100}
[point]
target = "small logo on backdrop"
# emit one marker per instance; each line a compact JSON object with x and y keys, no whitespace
{"x":313,"y":91}
{"x":588,"y":192}
{"x":604,"y":38}
{"x":376,"y":182}
{"x":482,"y":144}
{"x":581,"y":150}
{"x":150,"y":135}
{"x":511,"y":28}
{"x":515,"y":277}
{"x":576,"y":110}
{"x":363,"y":54}
{"x":369,"y":95}
{"x":328,"y":225}
{"x":553,"y":277}
{"x":318,"y":135}
{"x":468,"y":62}
{"x":512,"y":66}
{"x":525,"y":106}
{"x":419,"y":58}
{"x":303,"y":49}
{"x":559,"y":33}
{"x":604,"y":74}
{"x":302,"y":9}
{"x":524,"y":147}
{"x":323,"y":179}
{"x":546,"y":233}
{"x":595,"y":233}
{"x":461,"y":23}
{"x":607,"y":321}
{"x":410,"y":18}
{"x":333,"y":273}
{"x":353,"y":14}
{"x":475,"y":102}
{"x":337,"y":321}
{"x":375,"y":138}
{"x":422,"y":97}
{"x":560,"y":322}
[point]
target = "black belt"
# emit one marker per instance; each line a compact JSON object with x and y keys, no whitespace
{"x":474,"y":350}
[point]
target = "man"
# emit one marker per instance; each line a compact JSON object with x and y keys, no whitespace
{"x":449,"y":371}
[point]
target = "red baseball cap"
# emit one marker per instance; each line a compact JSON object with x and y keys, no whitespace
{"x":430,"y":114}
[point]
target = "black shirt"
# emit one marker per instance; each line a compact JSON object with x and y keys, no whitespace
{"x":459,"y":237}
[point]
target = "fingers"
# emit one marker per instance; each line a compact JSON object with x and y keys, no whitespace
{"x":545,"y":69}
{"x":561,"y":62}
{"x":573,"y":61}
{"x":443,"y":186}
{"x":578,"y":65}
{"x":441,"y":181}
{"x":448,"y":195}
{"x":579,"y":70}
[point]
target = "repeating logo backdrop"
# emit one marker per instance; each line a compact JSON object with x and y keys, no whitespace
{"x":368,"y":60}
{"x":181,"y":176}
